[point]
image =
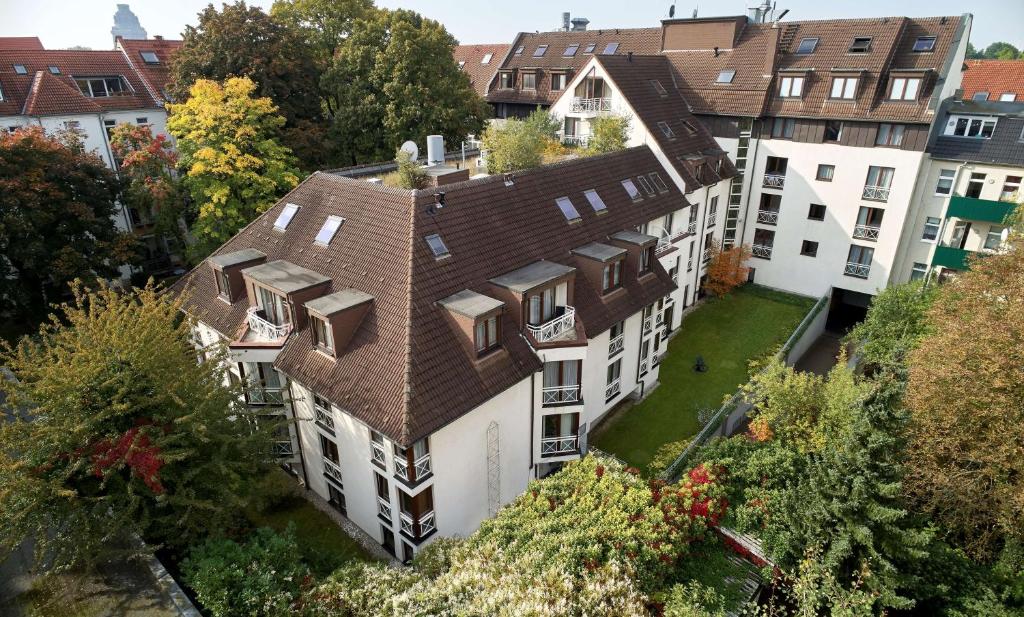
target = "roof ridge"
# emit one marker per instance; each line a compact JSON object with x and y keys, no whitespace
{"x":407,"y":334}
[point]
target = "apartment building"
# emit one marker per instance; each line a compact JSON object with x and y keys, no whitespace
{"x":480,"y":63}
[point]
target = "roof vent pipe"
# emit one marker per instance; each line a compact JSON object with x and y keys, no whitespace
{"x":435,"y":150}
{"x":716,"y":51}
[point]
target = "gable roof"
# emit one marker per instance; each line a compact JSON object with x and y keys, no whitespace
{"x":995,"y":77}
{"x":472,"y":56}
{"x":51,"y":96}
{"x":155,"y":76}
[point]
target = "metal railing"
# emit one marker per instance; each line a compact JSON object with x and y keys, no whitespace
{"x":774,"y":181}
{"x":761,"y":250}
{"x":580,"y":104}
{"x":613,"y":389}
{"x":876,"y":193}
{"x":323,"y":417}
{"x":647,"y":324}
{"x":264,"y":396}
{"x":558,"y":446}
{"x":420,"y":467}
{"x":768,"y":217}
{"x":858,"y":270}
{"x":560,"y":394}
{"x":644,"y":364}
{"x":656,"y":358}
{"x":384,"y":508}
{"x":426,"y":524}
{"x":865,"y":232}
{"x":377,"y":454}
{"x":283,"y":449}
{"x":616,"y":344}
{"x":663,"y":247}
{"x":332,"y":470}
{"x":706,"y":256}
{"x":576,"y":140}
{"x":659,"y":318}
{"x":263,"y":328}
{"x":689,"y":264}
{"x":555,"y":328}
{"x":691,"y":227}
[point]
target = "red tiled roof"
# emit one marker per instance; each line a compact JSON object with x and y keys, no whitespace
{"x":996,"y":77}
{"x":405,"y":373}
{"x":21,"y":43}
{"x":156,"y":76}
{"x":60,"y":95}
{"x":472,"y":56}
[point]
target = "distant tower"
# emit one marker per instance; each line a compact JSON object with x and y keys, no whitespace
{"x":126,"y":24}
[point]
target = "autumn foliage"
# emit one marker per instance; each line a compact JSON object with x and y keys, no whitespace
{"x":728,"y":268}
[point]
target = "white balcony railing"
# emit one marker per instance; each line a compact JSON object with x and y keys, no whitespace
{"x":659,"y":318}
{"x":576,"y":140}
{"x":761,"y":250}
{"x":557,"y":446}
{"x":689,"y":264}
{"x":377,"y":452}
{"x":384,"y":508}
{"x":774,"y":181}
{"x":647,"y":324}
{"x":560,"y":394}
{"x":858,"y":270}
{"x":616,"y":344}
{"x":876,"y":193}
{"x":323,"y":417}
{"x":426,"y":522}
{"x":656,"y":358}
{"x":332,"y":470}
{"x":555,"y":328}
{"x":865,"y":232}
{"x":768,"y":217}
{"x":613,"y":389}
{"x":593,"y":105}
{"x":263,"y":328}
{"x":663,"y":247}
{"x":691,"y":227}
{"x":645,"y":363}
{"x":420,"y":466}
{"x":706,"y":257}
{"x":265,"y":396}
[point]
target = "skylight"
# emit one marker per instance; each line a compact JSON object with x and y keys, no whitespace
{"x":437,"y":246}
{"x":611,"y":48}
{"x":658,"y":182}
{"x":286,"y":216}
{"x":20,"y":69}
{"x":924,"y":43}
{"x":645,"y":185}
{"x":589,"y":49}
{"x":520,"y":49}
{"x":571,"y":50}
{"x":595,"y":200}
{"x":807,"y":45}
{"x":631,"y":189}
{"x":660,"y":89}
{"x":980,"y":96}
{"x":331,"y":227}
{"x":55,"y":70}
{"x":540,"y":51}
{"x":666,"y":130}
{"x":150,"y":57}
{"x":725,"y":77}
{"x":860,"y":45}
{"x":692,"y":130}
{"x":568,"y":210}
{"x":487,"y":58}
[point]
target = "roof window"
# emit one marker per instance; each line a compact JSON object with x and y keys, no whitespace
{"x":660,"y":89}
{"x":589,"y":49}
{"x":980,"y":96}
{"x":611,"y":48}
{"x":692,"y":130}
{"x":437,"y":246}
{"x":1008,"y":97}
{"x":569,"y":210}
{"x":924,"y":43}
{"x":55,"y":70}
{"x":20,"y":69}
{"x":658,"y":182}
{"x":520,"y":50}
{"x":807,"y":45}
{"x":595,"y":200}
{"x":540,"y":51}
{"x":666,"y":130}
{"x":286,"y":216}
{"x":631,"y":189}
{"x":331,"y":227}
{"x":860,"y":45}
{"x":150,"y":57}
{"x":571,"y":50}
{"x":726,"y":76}
{"x":462,"y":63}
{"x":487,"y":58}
{"x":646,"y":186}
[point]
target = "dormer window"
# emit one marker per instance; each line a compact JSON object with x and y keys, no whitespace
{"x":860,"y":45}
{"x":323,"y":335}
{"x":529,"y":81}
{"x":223,"y":285}
{"x":791,"y":87}
{"x":285,"y":218}
{"x":844,"y":88}
{"x":611,"y":279}
{"x":904,"y":88}
{"x":486,"y":334}
{"x":98,"y":87}
{"x":646,"y":261}
{"x":505,"y":80}
{"x":725,"y":77}
{"x":924,"y":43}
{"x":807,"y":45}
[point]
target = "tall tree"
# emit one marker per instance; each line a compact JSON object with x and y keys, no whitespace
{"x":235,"y":167}
{"x":1001,"y":50}
{"x":325,"y":24}
{"x":894,"y":326}
{"x":57,"y":209}
{"x":126,"y":432}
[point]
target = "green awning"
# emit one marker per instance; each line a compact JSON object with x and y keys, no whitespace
{"x":973,"y":209}
{"x":949,"y":257}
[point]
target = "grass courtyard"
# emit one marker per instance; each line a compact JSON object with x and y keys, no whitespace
{"x":728,"y":332}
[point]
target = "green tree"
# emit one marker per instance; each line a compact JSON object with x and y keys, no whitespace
{"x":410,"y":174}
{"x":973,"y":53}
{"x":324,"y":24}
{"x":513,"y":145}
{"x":895,"y":324}
{"x":234,"y":166}
{"x":1001,"y":50}
{"x":57,"y":211}
{"x":608,"y":134}
{"x":126,"y":432}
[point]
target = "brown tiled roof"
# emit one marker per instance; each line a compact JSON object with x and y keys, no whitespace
{"x":21,"y":43}
{"x":156,"y":76}
{"x":995,"y":77}
{"x":633,"y":78}
{"x":636,"y":40}
{"x":405,"y":372}
{"x":58,"y":94}
{"x":480,"y":74}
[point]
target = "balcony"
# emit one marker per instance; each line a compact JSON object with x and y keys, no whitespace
{"x":418,"y":529}
{"x":647,"y":324}
{"x":557,"y":328}
{"x":616,"y":344}
{"x":323,"y":417}
{"x":264,"y":396}
{"x":560,"y":395}
{"x":876,"y":193}
{"x":768,"y":217}
{"x":857,"y":270}
{"x":987,"y":210}
{"x":384,"y":509}
{"x":420,"y":468}
{"x":691,"y":227}
{"x":763,"y":251}
{"x":593,"y":106}
{"x":866,"y":232}
{"x":377,"y":454}
{"x":332,"y":471}
{"x":950,"y":257}
{"x":283,"y":449}
{"x":576,"y":140}
{"x":559,"y":446}
{"x":774,"y":181}
{"x":645,"y":363}
{"x":612,"y":390}
{"x":262,"y":329}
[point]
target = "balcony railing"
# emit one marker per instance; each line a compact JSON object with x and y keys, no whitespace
{"x":265,"y":396}
{"x":706,"y":256}
{"x":593,"y":105}
{"x":656,"y":358}
{"x":647,"y":324}
{"x":876,"y":193}
{"x":645,"y":363}
{"x":663,"y":247}
{"x":768,"y":217}
{"x":858,"y":270}
{"x":774,"y":181}
{"x":263,"y":328}
{"x":659,"y":318}
{"x":689,"y":264}
{"x":384,"y":508}
{"x":576,"y":140}
{"x":559,"y":446}
{"x":283,"y":449}
{"x":377,"y":454}
{"x":323,"y":417}
{"x":865,"y":232}
{"x":763,"y":251}
{"x":691,"y":227}
{"x":555,"y":328}
{"x":557,"y":395}
{"x":613,"y":389}
{"x":332,"y":470}
{"x":425,"y":523}
{"x":420,"y":468}
{"x":616,"y":344}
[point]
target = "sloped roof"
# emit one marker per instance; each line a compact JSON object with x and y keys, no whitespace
{"x":21,"y":42}
{"x":995,"y":77}
{"x":405,"y":372}
{"x":1005,"y":147}
{"x":472,"y":58}
{"x":49,"y":96}
{"x":156,"y":76}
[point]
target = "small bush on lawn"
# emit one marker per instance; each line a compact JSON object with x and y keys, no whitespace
{"x":260,"y":577}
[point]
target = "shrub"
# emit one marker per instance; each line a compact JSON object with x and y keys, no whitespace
{"x":665,"y":456}
{"x":694,"y":600}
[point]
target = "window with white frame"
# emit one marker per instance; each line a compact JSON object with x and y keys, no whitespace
{"x":931,"y":228}
{"x":487,"y":58}
{"x":843,"y":88}
{"x":918,"y":271}
{"x":945,"y":183}
{"x":980,"y":96}
{"x":1011,"y":189}
{"x":323,"y":334}
{"x":505,"y":80}
{"x":1008,"y":97}
{"x":966,"y":126}
{"x":791,"y":87}
{"x":994,"y":237}
{"x":904,"y":88}
{"x":529,"y":81}
{"x":98,"y":87}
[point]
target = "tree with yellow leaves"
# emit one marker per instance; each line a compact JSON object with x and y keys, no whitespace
{"x":728,"y":268}
{"x":234,"y":166}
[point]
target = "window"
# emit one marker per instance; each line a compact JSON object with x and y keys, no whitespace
{"x":870,"y":218}
{"x":646,"y":260}
{"x":860,"y":45}
{"x":20,"y":69}
{"x":816,"y":212}
{"x":437,"y":246}
{"x":108,"y":126}
{"x":658,"y":182}
{"x":520,"y":50}
{"x":971,"y":127}
{"x":614,"y":373}
{"x":589,"y":49}
{"x":631,"y":190}
{"x":505,"y":80}
{"x":486,"y":332}
{"x":462,"y":63}
{"x":326,"y":233}
{"x":1011,"y":189}
{"x":904,"y":88}
{"x":692,"y":130}
{"x":286,"y":216}
{"x":931,"y":229}
{"x":561,"y":382}
{"x":807,"y":45}
{"x":611,"y":278}
{"x":889,"y":134}
{"x":54,"y":70}
{"x":666,"y":130}
{"x":1008,"y":97}
{"x":975,"y":185}
{"x":142,"y":121}
{"x":329,"y":449}
{"x":725,"y":77}
{"x":568,"y":210}
{"x":557,"y":81}
{"x":646,"y":186}
{"x":945,"y":184}
{"x":529,"y":81}
{"x":994,"y":237}
{"x":150,"y":57}
{"x":980,"y":96}
{"x":833,"y":130}
{"x":540,"y":51}
{"x":487,"y":58}
{"x":918,"y":271}
{"x":571,"y":50}
{"x":844,"y":88}
{"x":712,"y":211}
{"x":223,"y":285}
{"x":782,"y":128}
{"x":825,"y":172}
{"x":791,"y":87}
{"x":323,"y":334}
{"x":879,"y":177}
{"x":809,"y":248}
{"x":858,"y":261}
{"x":595,"y":200}
{"x":660,"y":89}
{"x":924,"y":43}
{"x":102,"y":86}
{"x":610,"y":48}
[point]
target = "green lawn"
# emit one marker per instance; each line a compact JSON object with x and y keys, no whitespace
{"x":728,"y":332}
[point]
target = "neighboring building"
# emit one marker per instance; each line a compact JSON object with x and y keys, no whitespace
{"x":21,"y":43}
{"x":480,"y":62}
{"x":126,"y":24}
{"x":151,"y":59}
{"x":993,"y":80}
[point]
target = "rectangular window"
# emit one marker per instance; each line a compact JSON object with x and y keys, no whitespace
{"x":285,"y":218}
{"x":437,"y":246}
{"x":614,"y":371}
{"x":945,"y":183}
{"x":223,"y":284}
{"x":1011,"y":189}
{"x":20,"y":69}
{"x":889,"y":134}
{"x":844,"y":88}
{"x":980,"y":96}
{"x":520,"y":50}
{"x":150,"y":57}
{"x":816,"y":212}
{"x":713,"y":211}
{"x":782,"y":128}
{"x":860,"y":45}
{"x":610,"y":48}
{"x":571,"y":50}
{"x":904,"y":88}
{"x":666,"y":130}
{"x":725,"y":77}
{"x":807,"y":45}
{"x":330,"y":227}
{"x":568,"y":210}
{"x":646,"y":186}
{"x":825,"y":172}
{"x":858,"y":261}
{"x":540,"y":51}
{"x":631,"y":190}
{"x":487,"y":58}
{"x":994,"y":237}
{"x":98,"y":87}
{"x":924,"y":43}
{"x":646,"y":260}
{"x":505,"y":80}
{"x":1008,"y":97}
{"x":660,"y":89}
{"x":981,"y":128}
{"x":529,"y":81}
{"x":809,"y":248}
{"x":557,"y":81}
{"x":329,"y":449}
{"x":918,"y":271}
{"x":658,"y":182}
{"x":612,"y":277}
{"x":931,"y":228}
{"x":880,"y":178}
{"x":975,"y":185}
{"x":791,"y":87}
{"x":486,"y":334}
{"x":833,"y":130}
{"x":561,"y":382}
{"x":595,"y":200}
{"x":589,"y":49}
{"x":323,"y":334}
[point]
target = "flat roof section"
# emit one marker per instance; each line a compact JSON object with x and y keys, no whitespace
{"x":470,"y":303}
{"x":338,"y":301}
{"x":531,"y":276}
{"x":598,"y":251}
{"x":285,"y":276}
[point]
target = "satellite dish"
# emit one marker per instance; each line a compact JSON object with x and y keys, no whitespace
{"x":410,"y":147}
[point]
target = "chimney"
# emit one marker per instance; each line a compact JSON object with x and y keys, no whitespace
{"x":579,"y":24}
{"x":565,"y":22}
{"x":435,"y":150}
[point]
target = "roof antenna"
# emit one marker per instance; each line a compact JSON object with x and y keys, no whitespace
{"x":716,"y":51}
